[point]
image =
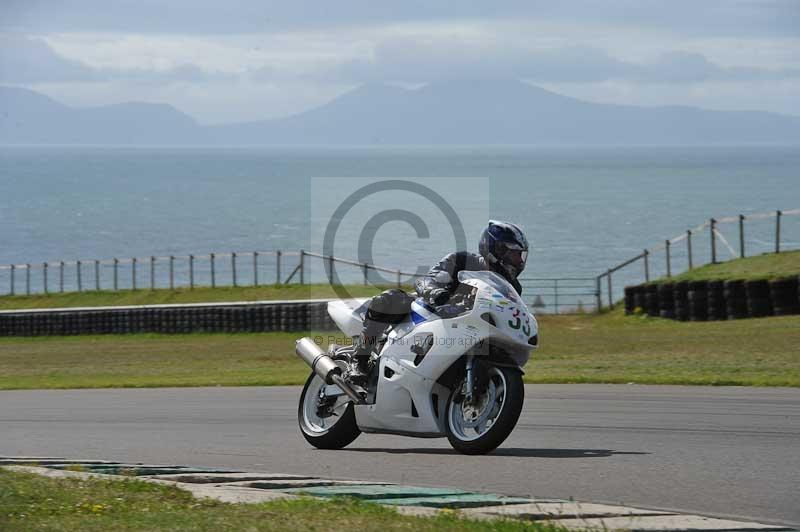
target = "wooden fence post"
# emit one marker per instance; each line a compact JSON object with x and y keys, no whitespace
{"x":778,"y":215}
{"x":78,"y":272}
{"x":13,"y":269}
{"x":610,"y":297}
{"x":152,"y":273}
{"x":366,"y":273}
{"x":669,"y":268}
{"x":44,"y":277}
{"x":398,"y":279}
{"x":255,"y":268}
{"x":233,"y":267}
{"x":278,"y":267}
{"x":116,"y":265}
{"x":191,"y":272}
{"x":689,"y":246}
{"x":555,"y":294}
{"x":213,"y":272}
{"x":646,"y":254}
{"x":28,"y":279}
{"x":61,"y":276}
{"x":741,"y":235}
{"x":302,"y":266}
{"x":597,"y":295}
{"x":133,"y":273}
{"x":713,"y":229}
{"x":330,"y":269}
{"x":96,"y":274}
{"x":171,"y":272}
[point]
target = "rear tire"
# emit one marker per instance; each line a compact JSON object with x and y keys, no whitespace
{"x":463,"y":440}
{"x":341,"y":433}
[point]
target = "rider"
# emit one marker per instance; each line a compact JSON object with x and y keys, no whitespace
{"x":503,"y":248}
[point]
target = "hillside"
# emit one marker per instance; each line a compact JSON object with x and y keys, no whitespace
{"x":766,"y":266}
{"x":445,"y":113}
{"x":27,"y":117}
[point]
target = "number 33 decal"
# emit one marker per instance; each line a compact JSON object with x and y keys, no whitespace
{"x":516,"y":322}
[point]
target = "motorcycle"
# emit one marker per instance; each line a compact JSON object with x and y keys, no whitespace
{"x":453,"y":370}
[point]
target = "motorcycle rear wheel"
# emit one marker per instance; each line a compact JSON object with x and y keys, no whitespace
{"x":333,"y":432}
{"x":480,"y":427}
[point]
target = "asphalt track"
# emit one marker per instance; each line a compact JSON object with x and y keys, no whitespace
{"x":731,"y":452}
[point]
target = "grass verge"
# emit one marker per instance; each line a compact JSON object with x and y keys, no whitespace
{"x":766,"y":266}
{"x":611,"y":348}
{"x":31,"y":502}
{"x":183,"y":295}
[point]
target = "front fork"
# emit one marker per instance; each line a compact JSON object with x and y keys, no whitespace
{"x":470,"y":381}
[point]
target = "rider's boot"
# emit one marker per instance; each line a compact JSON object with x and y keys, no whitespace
{"x":360,"y":365}
{"x":366,"y":344}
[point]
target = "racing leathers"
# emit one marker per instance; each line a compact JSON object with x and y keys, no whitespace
{"x":391,"y":306}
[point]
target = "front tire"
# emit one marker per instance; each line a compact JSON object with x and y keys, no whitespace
{"x":333,"y":432}
{"x":481,"y":427}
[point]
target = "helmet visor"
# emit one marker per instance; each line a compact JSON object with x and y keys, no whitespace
{"x":514,"y":258}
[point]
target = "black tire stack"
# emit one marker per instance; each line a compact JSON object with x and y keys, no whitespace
{"x":758,"y":302}
{"x":681,"y":297}
{"x":179,"y":319}
{"x":666,"y":300}
{"x":639,"y":299}
{"x":735,"y":299}
{"x":784,"y":296}
{"x":630,"y":305}
{"x":698,"y":300}
{"x":716,"y":300}
{"x":651,"y":300}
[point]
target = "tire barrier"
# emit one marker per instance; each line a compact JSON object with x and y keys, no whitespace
{"x":735,"y":299}
{"x":170,"y":319}
{"x":630,"y":305}
{"x":784,"y":296}
{"x":639,"y":301}
{"x":651,"y":300}
{"x":698,"y":300}
{"x":716,"y":300}
{"x":666,"y":300}
{"x":681,"y":295}
{"x":758,"y":303}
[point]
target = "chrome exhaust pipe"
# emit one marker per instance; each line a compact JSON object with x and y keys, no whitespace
{"x":324,"y":366}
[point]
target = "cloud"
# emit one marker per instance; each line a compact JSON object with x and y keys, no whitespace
{"x":26,"y":60}
{"x":690,"y":67}
{"x":185,"y":73}
{"x":415,"y":60}
{"x":29,"y":60}
{"x":740,"y":18}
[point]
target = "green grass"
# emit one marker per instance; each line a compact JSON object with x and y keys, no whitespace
{"x":615,"y":348}
{"x":610,"y":347}
{"x":766,"y":266}
{"x":182,"y":295}
{"x":32,"y":502}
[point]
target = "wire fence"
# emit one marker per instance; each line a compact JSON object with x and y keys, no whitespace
{"x":564,"y":295}
{"x":253,"y":268}
{"x":696,"y":246}
{"x":703,"y":244}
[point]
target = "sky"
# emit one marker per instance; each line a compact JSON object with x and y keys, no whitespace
{"x":243,"y":60}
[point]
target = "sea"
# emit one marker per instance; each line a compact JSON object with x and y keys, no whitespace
{"x":584,"y":210}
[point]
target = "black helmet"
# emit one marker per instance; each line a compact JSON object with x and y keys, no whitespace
{"x":505,"y":248}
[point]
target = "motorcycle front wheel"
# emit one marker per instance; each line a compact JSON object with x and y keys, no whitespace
{"x":326,"y":423}
{"x":482,"y":425}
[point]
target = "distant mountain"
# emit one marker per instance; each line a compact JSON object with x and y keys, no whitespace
{"x":27,"y":117}
{"x":479,"y":112}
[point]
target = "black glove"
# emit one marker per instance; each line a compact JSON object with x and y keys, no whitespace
{"x":438,"y":296}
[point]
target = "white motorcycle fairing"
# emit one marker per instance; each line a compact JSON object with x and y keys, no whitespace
{"x":408,"y":399}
